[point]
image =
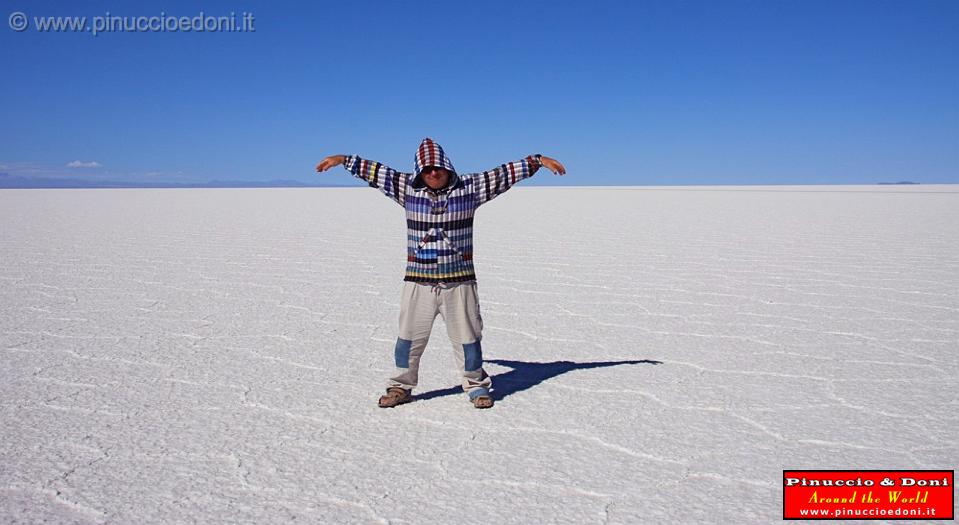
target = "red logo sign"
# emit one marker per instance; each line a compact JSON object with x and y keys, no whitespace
{"x":868,"y":494}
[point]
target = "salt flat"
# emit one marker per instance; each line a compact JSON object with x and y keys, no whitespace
{"x":660,"y":354}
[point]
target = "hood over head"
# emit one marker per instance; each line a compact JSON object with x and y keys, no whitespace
{"x":431,"y":154}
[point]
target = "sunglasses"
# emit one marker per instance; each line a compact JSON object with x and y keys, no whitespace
{"x":430,"y":169}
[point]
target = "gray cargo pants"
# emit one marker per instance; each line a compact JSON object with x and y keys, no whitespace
{"x":458,"y":303}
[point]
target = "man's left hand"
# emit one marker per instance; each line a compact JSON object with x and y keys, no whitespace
{"x":553,"y":165}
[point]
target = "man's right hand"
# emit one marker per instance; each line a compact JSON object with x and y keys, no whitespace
{"x":329,"y":162}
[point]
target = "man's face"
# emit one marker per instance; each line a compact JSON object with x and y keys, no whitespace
{"x":435,"y":177}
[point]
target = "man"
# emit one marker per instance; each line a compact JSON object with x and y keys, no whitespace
{"x":439,"y":205}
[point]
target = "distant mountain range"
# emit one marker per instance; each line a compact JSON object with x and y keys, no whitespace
{"x":8,"y":181}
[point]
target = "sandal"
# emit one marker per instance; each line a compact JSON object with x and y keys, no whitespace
{"x":395,"y":396}
{"x":483,"y":402}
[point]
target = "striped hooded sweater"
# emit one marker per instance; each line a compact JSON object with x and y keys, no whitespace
{"x":439,"y":223}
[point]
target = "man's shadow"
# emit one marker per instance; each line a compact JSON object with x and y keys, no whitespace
{"x":525,"y":375}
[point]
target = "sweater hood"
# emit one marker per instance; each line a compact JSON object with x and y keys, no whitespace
{"x":431,"y":154}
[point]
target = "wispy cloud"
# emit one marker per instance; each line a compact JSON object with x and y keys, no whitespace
{"x":90,"y":170}
{"x":82,"y":164}
{"x":40,"y":169}
{"x":27,"y":169}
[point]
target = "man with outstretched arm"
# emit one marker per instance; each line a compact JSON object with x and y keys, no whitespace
{"x":440,"y":280}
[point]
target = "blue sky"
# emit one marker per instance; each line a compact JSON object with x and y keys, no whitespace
{"x":683,"y":92}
